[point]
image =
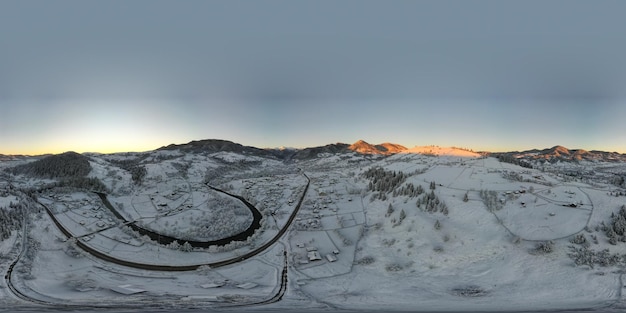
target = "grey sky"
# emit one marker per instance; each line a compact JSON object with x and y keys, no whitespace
{"x":313,"y":72}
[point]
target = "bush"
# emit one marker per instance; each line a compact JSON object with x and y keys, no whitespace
{"x":544,"y":247}
{"x":469,"y":291}
{"x":365,"y":260}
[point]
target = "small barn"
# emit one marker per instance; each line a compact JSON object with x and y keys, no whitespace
{"x":314,"y":256}
{"x":331,"y":258}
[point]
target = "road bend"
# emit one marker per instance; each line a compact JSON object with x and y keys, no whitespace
{"x":173,"y":268}
{"x":103,"y":256}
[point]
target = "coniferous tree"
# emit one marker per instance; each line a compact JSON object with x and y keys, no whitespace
{"x":389,"y":210}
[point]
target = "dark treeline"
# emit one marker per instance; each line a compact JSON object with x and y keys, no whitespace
{"x":10,"y":219}
{"x":137,"y":171}
{"x":68,"y":164}
{"x":384,"y":181}
{"x":508,"y":158}
{"x":89,"y":183}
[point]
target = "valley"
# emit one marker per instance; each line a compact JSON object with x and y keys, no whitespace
{"x":214,"y":224}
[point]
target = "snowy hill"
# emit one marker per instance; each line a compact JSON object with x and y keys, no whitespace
{"x":560,"y":153}
{"x":386,"y":148}
{"x":439,"y":151}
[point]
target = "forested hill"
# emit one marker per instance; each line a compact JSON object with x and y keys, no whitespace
{"x":68,"y":164}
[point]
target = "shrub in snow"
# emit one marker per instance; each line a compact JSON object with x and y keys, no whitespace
{"x":543,"y":247}
{"x":582,"y":256}
{"x":365,"y":260}
{"x":388,"y":242}
{"x":469,"y":291}
{"x":174,"y":245}
{"x":393,"y":267}
{"x":186,"y":247}
{"x":437,"y":225}
{"x":580,"y":239}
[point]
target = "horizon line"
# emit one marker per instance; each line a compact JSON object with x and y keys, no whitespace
{"x":105,"y":151}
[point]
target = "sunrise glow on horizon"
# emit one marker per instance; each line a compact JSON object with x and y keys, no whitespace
{"x":127,"y":127}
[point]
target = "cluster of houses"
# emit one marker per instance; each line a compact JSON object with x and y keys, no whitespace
{"x":312,"y":254}
{"x":313,"y":220}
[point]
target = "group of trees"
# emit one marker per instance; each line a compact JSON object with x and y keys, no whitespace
{"x":401,"y":217}
{"x":224,"y":217}
{"x":409,"y":190}
{"x":11,"y":219}
{"x":70,"y":169}
{"x":137,"y":171}
{"x":490,"y":198}
{"x":183,"y":168}
{"x":383,"y":181}
{"x":509,"y":158}
{"x":618,"y":180}
{"x":616,"y":230}
{"x":65,"y":165}
{"x":90,"y":183}
{"x":430,"y":203}
{"x":185,"y":247}
{"x":582,"y":255}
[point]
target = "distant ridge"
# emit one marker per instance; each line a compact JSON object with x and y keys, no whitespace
{"x":217,"y":145}
{"x":360,"y":146}
{"x":560,"y":153}
{"x":553,"y":154}
{"x":11,"y":157}
{"x":386,"y":148}
{"x":443,"y":151}
{"x":308,"y":153}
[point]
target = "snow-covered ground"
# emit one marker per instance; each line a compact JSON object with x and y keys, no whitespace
{"x":448,"y":247}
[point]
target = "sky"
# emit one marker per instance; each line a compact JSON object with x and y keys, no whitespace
{"x":113,"y":76}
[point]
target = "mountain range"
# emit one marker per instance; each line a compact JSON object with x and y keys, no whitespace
{"x":563,"y":154}
{"x":554,"y":154}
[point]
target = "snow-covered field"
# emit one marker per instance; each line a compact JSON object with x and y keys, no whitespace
{"x":478,"y":235}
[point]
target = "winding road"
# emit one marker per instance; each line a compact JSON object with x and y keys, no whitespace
{"x":156,"y":267}
{"x":108,"y":258}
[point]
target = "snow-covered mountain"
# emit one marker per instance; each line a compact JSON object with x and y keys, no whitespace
{"x":386,"y":148}
{"x":563,"y":154}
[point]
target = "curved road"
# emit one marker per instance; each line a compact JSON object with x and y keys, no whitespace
{"x":277,"y":297}
{"x":156,"y":267}
{"x":9,"y":273}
